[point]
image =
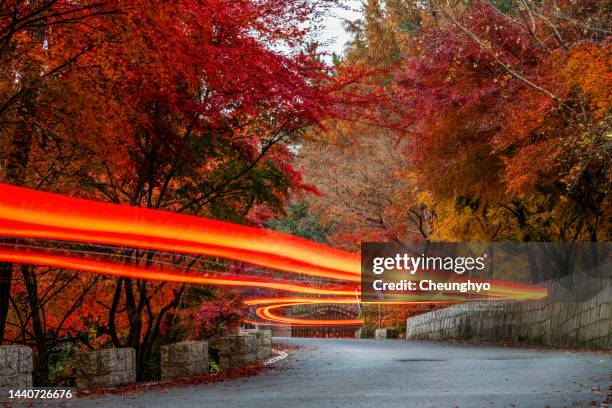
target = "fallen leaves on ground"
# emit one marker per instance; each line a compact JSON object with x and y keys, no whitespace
{"x":287,"y":347}
{"x":248,"y":370}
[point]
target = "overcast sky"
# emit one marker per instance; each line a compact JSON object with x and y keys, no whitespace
{"x":333,"y":35}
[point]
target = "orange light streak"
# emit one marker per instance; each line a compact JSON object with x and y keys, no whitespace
{"x":28,"y":230}
{"x":34,"y":214}
{"x":264,"y":313}
{"x":167,"y":275}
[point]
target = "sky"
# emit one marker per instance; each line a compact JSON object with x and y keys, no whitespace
{"x":333,"y":36}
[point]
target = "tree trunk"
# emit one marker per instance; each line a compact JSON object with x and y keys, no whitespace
{"x":6,"y":276}
{"x":16,"y":165}
{"x":18,"y":159}
{"x":41,"y":361}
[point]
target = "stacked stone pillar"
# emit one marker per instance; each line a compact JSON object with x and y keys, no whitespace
{"x":381,"y":334}
{"x":117,"y":366}
{"x":237,"y":350}
{"x":184,"y":359}
{"x":264,"y":343}
{"x":16,"y":366}
{"x":106,"y":368}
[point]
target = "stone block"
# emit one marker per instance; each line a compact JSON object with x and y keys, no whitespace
{"x":105,"y":368}
{"x":381,"y":334}
{"x":264,"y":343}
{"x":87,"y":363}
{"x":236,"y":351}
{"x":16,"y":366}
{"x":184,"y":359}
{"x":238,"y":344}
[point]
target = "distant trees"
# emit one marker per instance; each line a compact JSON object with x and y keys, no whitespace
{"x":359,"y":162}
{"x":496,"y":116}
{"x":508,"y":132}
{"x":298,"y":220}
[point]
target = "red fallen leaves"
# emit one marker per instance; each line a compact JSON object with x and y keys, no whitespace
{"x":248,"y":370}
{"x":287,"y":347}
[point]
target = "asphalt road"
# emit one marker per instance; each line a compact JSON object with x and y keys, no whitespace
{"x":398,"y":373}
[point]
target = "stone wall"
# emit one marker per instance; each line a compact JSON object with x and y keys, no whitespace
{"x":557,"y":323}
{"x":184,"y":359}
{"x":237,"y":350}
{"x":16,"y":367}
{"x":264,"y":343}
{"x":105,"y":368}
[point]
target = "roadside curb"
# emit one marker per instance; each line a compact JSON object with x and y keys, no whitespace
{"x":280,"y":355}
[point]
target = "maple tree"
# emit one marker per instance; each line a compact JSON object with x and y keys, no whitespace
{"x":363,"y":200}
{"x":29,"y":59}
{"x":369,"y":189}
{"x":519,"y":140}
{"x":505,"y":108}
{"x":503,"y":133}
{"x":219,"y":316}
{"x":45,"y":304}
{"x":156,"y":114}
{"x":204,"y":139}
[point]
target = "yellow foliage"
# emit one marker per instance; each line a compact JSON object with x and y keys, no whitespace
{"x":589,"y":67}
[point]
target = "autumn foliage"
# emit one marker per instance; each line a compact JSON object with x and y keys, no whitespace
{"x":459,"y":121}
{"x":498,"y":127}
{"x":218,"y":316}
{"x":501,"y":110}
{"x":184,"y":106}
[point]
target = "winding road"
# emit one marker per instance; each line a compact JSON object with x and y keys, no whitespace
{"x":397,"y":373}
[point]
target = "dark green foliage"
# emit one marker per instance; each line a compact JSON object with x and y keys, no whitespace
{"x":299,"y":221}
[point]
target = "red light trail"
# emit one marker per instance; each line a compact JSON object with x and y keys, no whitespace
{"x":32,"y":214}
{"x":42,"y":258}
